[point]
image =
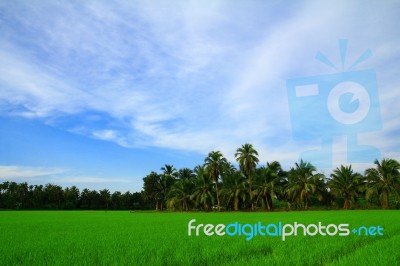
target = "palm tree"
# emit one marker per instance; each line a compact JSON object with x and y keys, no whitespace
{"x":55,"y":195}
{"x":214,"y":164}
{"x":94,"y":197}
{"x":247,"y":157}
{"x":267,"y":183}
{"x":233,"y":187}
{"x":38,"y":196}
{"x":347,"y":184}
{"x":116,"y":200}
{"x":186,"y":173}
{"x":203,"y":191}
{"x":169,"y":171}
{"x":384,"y":180}
{"x":85,"y":197}
{"x":105,"y":197}
{"x":168,"y":178}
{"x":71,"y":197}
{"x":179,"y":194}
{"x":302,"y":183}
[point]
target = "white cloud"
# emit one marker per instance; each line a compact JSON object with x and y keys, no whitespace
{"x":13,"y":171}
{"x":86,"y":179}
{"x":113,"y":136}
{"x":64,"y":177}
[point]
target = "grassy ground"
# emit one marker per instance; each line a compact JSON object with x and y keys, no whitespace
{"x":147,"y":238}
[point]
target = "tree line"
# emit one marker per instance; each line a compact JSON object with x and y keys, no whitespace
{"x":218,"y":185}
{"x":21,"y":196}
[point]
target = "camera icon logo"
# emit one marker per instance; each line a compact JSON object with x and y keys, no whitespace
{"x":341,"y":104}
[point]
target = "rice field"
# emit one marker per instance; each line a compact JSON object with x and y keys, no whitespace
{"x":151,"y":238}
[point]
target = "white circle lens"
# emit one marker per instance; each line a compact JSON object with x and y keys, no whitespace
{"x":359,"y":93}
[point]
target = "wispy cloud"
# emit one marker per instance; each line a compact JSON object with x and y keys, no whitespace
{"x":90,"y":180}
{"x":13,"y":171}
{"x":111,"y":135}
{"x":65,"y":177}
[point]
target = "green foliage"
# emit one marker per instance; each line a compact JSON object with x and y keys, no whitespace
{"x":203,"y":194}
{"x":234,"y":189}
{"x":384,"y":180}
{"x":53,"y":197}
{"x":214,"y":164}
{"x":267,"y":184}
{"x":218,"y":184}
{"x":347,"y":184}
{"x":247,"y":157}
{"x":303,"y":183}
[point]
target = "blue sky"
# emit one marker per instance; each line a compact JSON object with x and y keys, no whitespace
{"x":99,"y":93}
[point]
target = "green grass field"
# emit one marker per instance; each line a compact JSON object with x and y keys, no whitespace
{"x":149,"y":238}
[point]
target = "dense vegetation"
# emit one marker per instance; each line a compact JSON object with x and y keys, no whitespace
{"x":218,"y":185}
{"x":53,"y":197}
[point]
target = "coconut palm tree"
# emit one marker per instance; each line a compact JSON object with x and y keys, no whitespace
{"x":203,"y":191}
{"x":186,"y":173}
{"x":168,"y":178}
{"x":247,"y":157}
{"x":55,"y":195}
{"x":347,"y":184}
{"x":105,"y":198}
{"x":214,"y":164}
{"x":169,"y":171}
{"x":383,"y":180}
{"x":302,"y":183}
{"x":233,"y":188}
{"x":71,"y":197}
{"x":267,"y":183}
{"x":179,"y":194}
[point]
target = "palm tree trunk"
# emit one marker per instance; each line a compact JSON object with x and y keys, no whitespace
{"x":385,"y":200}
{"x":250,"y":195}
{"x":236,"y":204}
{"x":217,"y":191}
{"x":346,"y":204}
{"x":228,"y":202}
{"x":268,"y":207}
{"x":269,"y":202}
